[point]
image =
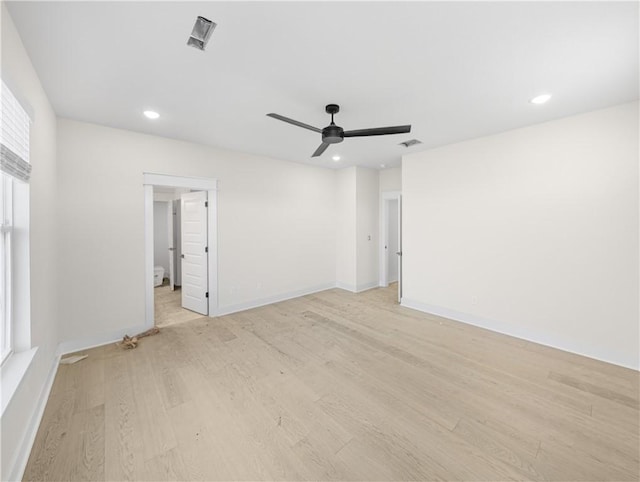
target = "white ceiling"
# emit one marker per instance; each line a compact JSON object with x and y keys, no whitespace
{"x":453,"y":70}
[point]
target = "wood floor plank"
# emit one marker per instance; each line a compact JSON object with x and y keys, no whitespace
{"x":606,"y":393}
{"x":88,"y":434}
{"x":51,"y":441}
{"x":124,"y":455}
{"x":155,"y":429}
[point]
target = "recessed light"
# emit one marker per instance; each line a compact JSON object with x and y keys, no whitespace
{"x":540,"y":99}
{"x":336,"y":158}
{"x":382,"y":166}
{"x":150,"y":114}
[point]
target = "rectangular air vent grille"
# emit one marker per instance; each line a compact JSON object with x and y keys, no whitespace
{"x":201,"y":33}
{"x":410,"y":143}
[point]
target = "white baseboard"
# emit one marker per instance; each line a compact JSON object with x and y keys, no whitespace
{"x":227,"y":310}
{"x":24,"y":448}
{"x":357,"y":288}
{"x":72,"y":346}
{"x":517,"y":332}
{"x":346,"y":286}
{"x":366,"y":286}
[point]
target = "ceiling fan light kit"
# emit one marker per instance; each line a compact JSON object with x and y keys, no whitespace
{"x":334,"y":134}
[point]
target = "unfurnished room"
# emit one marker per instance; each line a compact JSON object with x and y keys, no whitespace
{"x":324,"y":241}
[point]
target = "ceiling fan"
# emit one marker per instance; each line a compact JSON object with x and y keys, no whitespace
{"x":333,"y":134}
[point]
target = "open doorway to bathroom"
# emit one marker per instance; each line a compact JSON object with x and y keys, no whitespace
{"x":180,"y":249}
{"x":167,"y":257}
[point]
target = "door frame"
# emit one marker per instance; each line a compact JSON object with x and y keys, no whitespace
{"x":172,"y":248}
{"x":200,"y":183}
{"x":385,"y":197}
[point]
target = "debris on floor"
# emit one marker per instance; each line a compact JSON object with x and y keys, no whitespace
{"x":129,"y":342}
{"x":72,"y":359}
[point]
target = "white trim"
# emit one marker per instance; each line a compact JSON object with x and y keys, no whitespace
{"x":346,"y":286}
{"x":7,"y":261}
{"x":518,"y":332}
{"x":164,"y":180}
{"x":26,"y":444}
{"x":73,"y":346}
{"x":366,"y":286}
{"x":212,"y":241}
{"x":12,"y":373}
{"x":227,"y":310}
{"x":385,"y":196}
{"x":205,"y":184}
{"x":149,"y":308}
{"x":357,"y":288}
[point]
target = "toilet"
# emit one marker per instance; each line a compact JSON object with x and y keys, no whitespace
{"x":158,"y":275}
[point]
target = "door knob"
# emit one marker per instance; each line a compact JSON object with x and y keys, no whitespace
{"x":399,"y":253}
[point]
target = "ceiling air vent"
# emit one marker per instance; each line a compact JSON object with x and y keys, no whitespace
{"x":410,"y":143}
{"x":201,"y":33}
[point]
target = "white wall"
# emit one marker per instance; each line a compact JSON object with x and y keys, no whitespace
{"x":533,"y":232}
{"x":391,"y":179}
{"x":16,"y":422}
{"x":161,"y":235}
{"x":357,"y":228}
{"x":276,"y":223}
{"x":367,"y":230}
{"x":346,"y":228}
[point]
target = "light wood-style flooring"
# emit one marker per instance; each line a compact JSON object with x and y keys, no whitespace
{"x":337,"y":386}
{"x":168,"y":306}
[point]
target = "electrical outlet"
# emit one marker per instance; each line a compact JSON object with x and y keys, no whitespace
{"x":369,"y":238}
{"x":474,"y":300}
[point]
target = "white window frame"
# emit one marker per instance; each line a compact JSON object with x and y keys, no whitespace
{"x":6,"y":229}
{"x":15,"y":127}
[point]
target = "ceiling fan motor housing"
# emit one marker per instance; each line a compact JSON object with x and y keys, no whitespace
{"x":332,"y":134}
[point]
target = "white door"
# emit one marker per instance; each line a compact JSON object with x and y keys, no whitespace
{"x":399,"y":248}
{"x":172,"y":247}
{"x":194,"y":252}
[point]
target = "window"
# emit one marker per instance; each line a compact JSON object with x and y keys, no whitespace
{"x":14,"y":168}
{"x":6,"y":213}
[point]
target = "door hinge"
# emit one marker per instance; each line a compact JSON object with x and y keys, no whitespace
{"x":206,"y":249}
{"x":206,"y":295}
{"x":206,"y":204}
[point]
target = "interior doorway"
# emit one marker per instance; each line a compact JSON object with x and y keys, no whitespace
{"x":180,"y":249}
{"x":173,"y":301}
{"x":391,"y":236}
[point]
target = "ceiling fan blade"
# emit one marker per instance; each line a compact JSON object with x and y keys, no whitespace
{"x":294,"y":122}
{"x":320,"y":150}
{"x":378,"y":131}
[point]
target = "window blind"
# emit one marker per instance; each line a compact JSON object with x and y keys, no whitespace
{"x":14,"y":137}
